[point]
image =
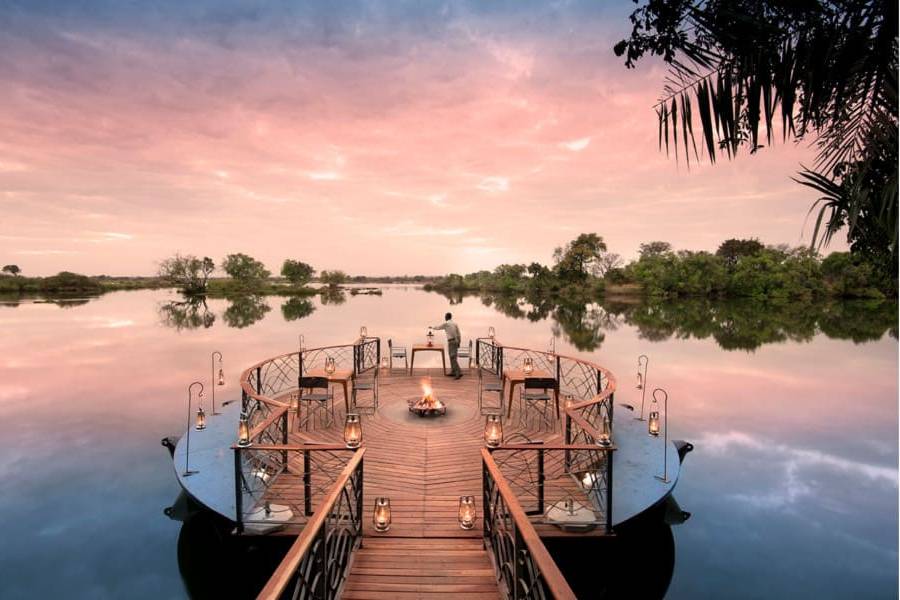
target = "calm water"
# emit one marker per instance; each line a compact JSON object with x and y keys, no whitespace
{"x":793,"y":412}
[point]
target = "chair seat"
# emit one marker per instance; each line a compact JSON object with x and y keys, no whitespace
{"x":398,"y":353}
{"x":364,"y":385}
{"x":493,"y":387}
{"x":536,"y":396}
{"x":316,"y":397}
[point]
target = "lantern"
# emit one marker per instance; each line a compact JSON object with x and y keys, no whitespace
{"x":528,"y":366}
{"x":568,"y":401}
{"x":640,"y":384}
{"x":295,"y":403}
{"x":588,"y":480}
{"x":201,"y":419}
{"x":352,"y":431}
{"x":381,"y":516}
{"x":262,"y":473}
{"x":329,"y":365}
{"x":300,"y":340}
{"x":653,"y":419}
{"x":215,"y":379}
{"x":493,"y":431}
{"x":605,"y":437}
{"x":243,"y":432}
{"x":363,"y":332}
{"x":430,"y":337}
{"x":491,"y":333}
{"x":467,"y":512}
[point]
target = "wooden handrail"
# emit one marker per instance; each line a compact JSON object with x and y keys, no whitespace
{"x":277,"y":413}
{"x":295,"y":447}
{"x":285,"y":571}
{"x":552,"y":447}
{"x":550,"y":573}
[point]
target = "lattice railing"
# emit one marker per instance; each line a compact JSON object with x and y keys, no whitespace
{"x":545,"y":478}
{"x":317,"y":564}
{"x":524,"y":568}
{"x":292,"y":479}
{"x":487,"y":355}
{"x":314,"y":359}
{"x":367,"y":355}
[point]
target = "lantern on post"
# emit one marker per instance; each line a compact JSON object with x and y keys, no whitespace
{"x":363,"y":332}
{"x":330,"y":366}
{"x":381,"y":516}
{"x":653,"y":417}
{"x":352,"y":431}
{"x":467,"y":513}
{"x":491,"y":333}
{"x":605,"y":436}
{"x":493,"y":431}
{"x":215,"y":380}
{"x":643,"y":361}
{"x":187,"y":449}
{"x":665,"y":427}
{"x":528,"y":365}
{"x":200,"y":423}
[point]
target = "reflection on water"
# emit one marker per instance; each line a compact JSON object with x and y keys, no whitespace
{"x":244,"y":311}
{"x":794,"y":471}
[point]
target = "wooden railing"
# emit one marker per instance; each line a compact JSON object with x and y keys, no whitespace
{"x":524,"y":567}
{"x":318,"y":562}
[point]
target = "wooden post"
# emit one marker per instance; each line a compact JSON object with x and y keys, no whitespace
{"x":238,"y":492}
{"x":307,"y":484}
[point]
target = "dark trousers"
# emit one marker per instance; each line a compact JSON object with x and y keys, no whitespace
{"x":452,"y":349}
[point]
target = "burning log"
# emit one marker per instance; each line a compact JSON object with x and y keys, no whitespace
{"x":428,"y":405}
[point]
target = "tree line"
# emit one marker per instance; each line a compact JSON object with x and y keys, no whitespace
{"x":585,"y":268}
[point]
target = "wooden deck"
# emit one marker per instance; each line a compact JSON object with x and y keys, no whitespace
{"x":423,"y":464}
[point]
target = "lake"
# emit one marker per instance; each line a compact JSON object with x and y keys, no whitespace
{"x":792,"y":411}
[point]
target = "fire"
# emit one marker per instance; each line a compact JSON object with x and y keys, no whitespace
{"x":428,"y":404}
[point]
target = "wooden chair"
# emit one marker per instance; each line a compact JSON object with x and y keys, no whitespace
{"x":466,"y":352}
{"x":365,"y":382}
{"x":489,"y":384}
{"x":536,"y":396}
{"x":398,"y":352}
{"x":317,"y":403}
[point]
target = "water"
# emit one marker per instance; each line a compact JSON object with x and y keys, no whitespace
{"x":793,"y":412}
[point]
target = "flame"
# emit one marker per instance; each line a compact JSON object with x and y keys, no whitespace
{"x":427,"y":392}
{"x":428,"y":399}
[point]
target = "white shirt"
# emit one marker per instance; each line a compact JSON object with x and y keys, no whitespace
{"x":451,"y":329}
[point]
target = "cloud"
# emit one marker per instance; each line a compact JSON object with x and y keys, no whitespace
{"x":576,"y":145}
{"x":494,"y":184}
{"x":324,"y":175}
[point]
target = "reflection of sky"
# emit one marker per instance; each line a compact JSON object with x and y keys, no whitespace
{"x":433,"y":134}
{"x":793,"y":483}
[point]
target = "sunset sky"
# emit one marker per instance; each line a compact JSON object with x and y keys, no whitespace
{"x":374,"y":137}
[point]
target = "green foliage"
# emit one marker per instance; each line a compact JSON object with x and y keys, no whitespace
{"x":731,"y":250}
{"x":297,"y":272}
{"x":333,"y":278}
{"x":67,"y":282}
{"x":849,"y":276}
{"x":13,"y":270}
{"x":651,"y":249}
{"x":244,"y":269}
{"x":187,"y":272}
{"x":579,"y":259}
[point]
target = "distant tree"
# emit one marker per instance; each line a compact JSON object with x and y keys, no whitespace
{"x":333,"y":278}
{"x":187,"y":272}
{"x":654,"y":249}
{"x":732,"y":250}
{"x":297,"y":272}
{"x":13,"y":270}
{"x":297,"y":308}
{"x":244,"y":268}
{"x":607,"y":262}
{"x":578,"y":259}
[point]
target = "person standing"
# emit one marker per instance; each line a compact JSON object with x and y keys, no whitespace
{"x":453,"y":339}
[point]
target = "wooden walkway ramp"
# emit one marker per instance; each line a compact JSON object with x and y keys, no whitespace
{"x":423,"y":464}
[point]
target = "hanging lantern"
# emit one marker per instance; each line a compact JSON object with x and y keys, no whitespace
{"x":243,"y":432}
{"x":352,"y":431}
{"x":363,"y":332}
{"x":381,"y":516}
{"x":329,"y":365}
{"x":528,"y":366}
{"x":221,"y":375}
{"x":201,"y":419}
{"x":493,"y":431}
{"x":467,"y":512}
{"x":491,"y":332}
{"x":653,"y":419}
{"x":605,"y":437}
{"x":640,"y":384}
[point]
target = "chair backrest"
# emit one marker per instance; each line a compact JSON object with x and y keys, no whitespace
{"x":540,"y":383}
{"x":390,"y":344}
{"x":306,"y":383}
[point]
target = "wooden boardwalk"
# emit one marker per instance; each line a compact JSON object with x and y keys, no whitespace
{"x":423,"y":464}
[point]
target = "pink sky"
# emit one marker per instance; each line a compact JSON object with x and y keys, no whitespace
{"x":369,"y":141}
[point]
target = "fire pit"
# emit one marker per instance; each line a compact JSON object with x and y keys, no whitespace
{"x":428,"y":405}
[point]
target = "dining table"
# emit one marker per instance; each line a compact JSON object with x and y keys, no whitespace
{"x":514,"y":377}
